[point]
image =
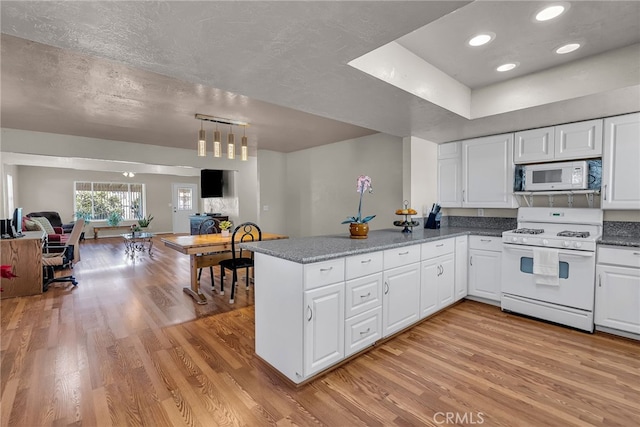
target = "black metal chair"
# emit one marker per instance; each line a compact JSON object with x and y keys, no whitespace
{"x":208,"y":226}
{"x":241,"y":258}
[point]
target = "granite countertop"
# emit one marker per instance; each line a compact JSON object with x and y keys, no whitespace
{"x":305,"y":250}
{"x":614,"y":240}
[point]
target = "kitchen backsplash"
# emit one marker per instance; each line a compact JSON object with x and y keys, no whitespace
{"x":621,"y":228}
{"x":479,"y":222}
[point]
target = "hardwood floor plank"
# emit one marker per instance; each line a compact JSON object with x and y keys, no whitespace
{"x":128,"y":347}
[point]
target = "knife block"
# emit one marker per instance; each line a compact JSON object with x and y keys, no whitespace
{"x":433,"y":221}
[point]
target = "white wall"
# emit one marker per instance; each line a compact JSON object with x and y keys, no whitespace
{"x":321,"y":185}
{"x":272,"y":168}
{"x":420,"y":174}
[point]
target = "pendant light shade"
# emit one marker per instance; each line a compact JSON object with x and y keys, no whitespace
{"x":202,"y":142}
{"x":231,"y":145}
{"x":217,"y":150}
{"x":244,"y":150}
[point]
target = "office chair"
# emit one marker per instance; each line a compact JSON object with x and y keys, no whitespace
{"x":62,"y":258}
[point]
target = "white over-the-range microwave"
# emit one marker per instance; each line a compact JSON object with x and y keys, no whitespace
{"x":557,"y":176}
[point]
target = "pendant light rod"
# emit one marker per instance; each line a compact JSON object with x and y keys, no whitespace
{"x":221,"y":120}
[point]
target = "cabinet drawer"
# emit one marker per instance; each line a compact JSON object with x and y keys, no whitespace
{"x":485,"y":243}
{"x":363,"y":265}
{"x":626,"y":257}
{"x":435,"y":249}
{"x":362,"y":331}
{"x":363,"y":293}
{"x":323,"y":273}
{"x":401,"y":256}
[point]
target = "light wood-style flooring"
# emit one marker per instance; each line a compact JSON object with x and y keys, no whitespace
{"x":127,"y":347}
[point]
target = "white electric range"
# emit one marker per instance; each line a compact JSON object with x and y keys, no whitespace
{"x":548,"y":265}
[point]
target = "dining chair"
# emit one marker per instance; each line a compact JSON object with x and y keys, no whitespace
{"x":208,"y":226}
{"x":241,"y":258}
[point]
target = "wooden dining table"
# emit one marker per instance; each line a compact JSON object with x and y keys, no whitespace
{"x":205,"y":250}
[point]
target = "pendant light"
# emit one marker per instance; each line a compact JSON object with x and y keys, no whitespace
{"x":244,"y":154}
{"x":217,"y":151}
{"x":231,"y":145}
{"x":202,"y":142}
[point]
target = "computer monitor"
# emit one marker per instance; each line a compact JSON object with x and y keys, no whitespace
{"x":17,"y":221}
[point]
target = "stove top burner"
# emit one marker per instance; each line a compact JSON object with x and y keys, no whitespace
{"x":580,"y":234}
{"x":529,"y":231}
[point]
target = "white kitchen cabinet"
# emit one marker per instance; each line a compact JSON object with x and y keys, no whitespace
{"x":324,"y":327}
{"x":450,"y":182}
{"x":437,"y":276}
{"x":620,"y":160}
{"x":401,"y":298}
{"x":617,"y":300}
{"x":488,"y":172}
{"x":462,"y":256}
{"x":485,"y":267}
{"x":579,"y":140}
{"x":534,"y":146}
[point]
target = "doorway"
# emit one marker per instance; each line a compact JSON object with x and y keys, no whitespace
{"x":184,"y":198}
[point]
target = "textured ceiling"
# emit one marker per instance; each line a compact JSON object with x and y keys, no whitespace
{"x":139,"y":71}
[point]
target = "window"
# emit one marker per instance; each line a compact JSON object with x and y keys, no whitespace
{"x":97,"y":200}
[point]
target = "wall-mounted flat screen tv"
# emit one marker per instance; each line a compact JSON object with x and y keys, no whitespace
{"x":211,"y":183}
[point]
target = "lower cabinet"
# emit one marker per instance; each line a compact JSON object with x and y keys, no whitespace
{"x":401,"y":298}
{"x":437,"y":276}
{"x":617,"y":301}
{"x":485,"y":265}
{"x":324,"y":327}
{"x":462,"y":255}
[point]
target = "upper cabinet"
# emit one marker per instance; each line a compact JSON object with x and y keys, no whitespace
{"x":488,"y":172}
{"x":580,"y":140}
{"x":620,"y":160}
{"x":476,"y":173}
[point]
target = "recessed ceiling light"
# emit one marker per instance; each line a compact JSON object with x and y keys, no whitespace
{"x":507,"y":67}
{"x":481,"y":39}
{"x":567,"y":48}
{"x":550,"y":13}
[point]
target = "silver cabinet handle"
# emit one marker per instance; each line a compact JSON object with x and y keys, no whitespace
{"x":366,"y":296}
{"x":636,"y":253}
{"x":485,"y":240}
{"x":326,"y":269}
{"x":463,"y":195}
{"x":403,"y":253}
{"x":365,"y":261}
{"x":440,"y":245}
{"x":310,"y":313}
{"x":441,"y":269}
{"x":599,"y":280}
{"x":605,"y":192}
{"x":470,"y":260}
{"x":365,"y":332}
{"x":386,"y":285}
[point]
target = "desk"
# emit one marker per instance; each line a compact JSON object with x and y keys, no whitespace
{"x":199,"y":249}
{"x":24,"y":254}
{"x":136,"y":242}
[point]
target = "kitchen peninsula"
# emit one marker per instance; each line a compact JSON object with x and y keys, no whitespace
{"x":321,"y":300}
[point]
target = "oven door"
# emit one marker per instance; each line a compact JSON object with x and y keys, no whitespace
{"x":576,"y":271}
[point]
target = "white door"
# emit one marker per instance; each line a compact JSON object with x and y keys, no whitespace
{"x":536,"y":145}
{"x":429,"y":272}
{"x":185,"y":203}
{"x":578,"y":140}
{"x":484,"y":274}
{"x":620,"y":172}
{"x":618,"y":298}
{"x":401,"y":298}
{"x":462,"y":255}
{"x":450,"y":182}
{"x":446,"y":283}
{"x":324,"y":327}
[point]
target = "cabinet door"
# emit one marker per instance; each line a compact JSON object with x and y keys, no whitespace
{"x":488,"y":172}
{"x":578,"y":140}
{"x":484,"y":274}
{"x":620,"y":171}
{"x":450,"y":182}
{"x":401,"y":298}
{"x":618,"y":298}
{"x":446,"y":281}
{"x":429,"y":272}
{"x":462,"y":256}
{"x":449,"y":150}
{"x":535,"y":145}
{"x":324,"y":327}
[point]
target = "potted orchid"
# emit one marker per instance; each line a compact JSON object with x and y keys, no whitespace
{"x":358,"y":226}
